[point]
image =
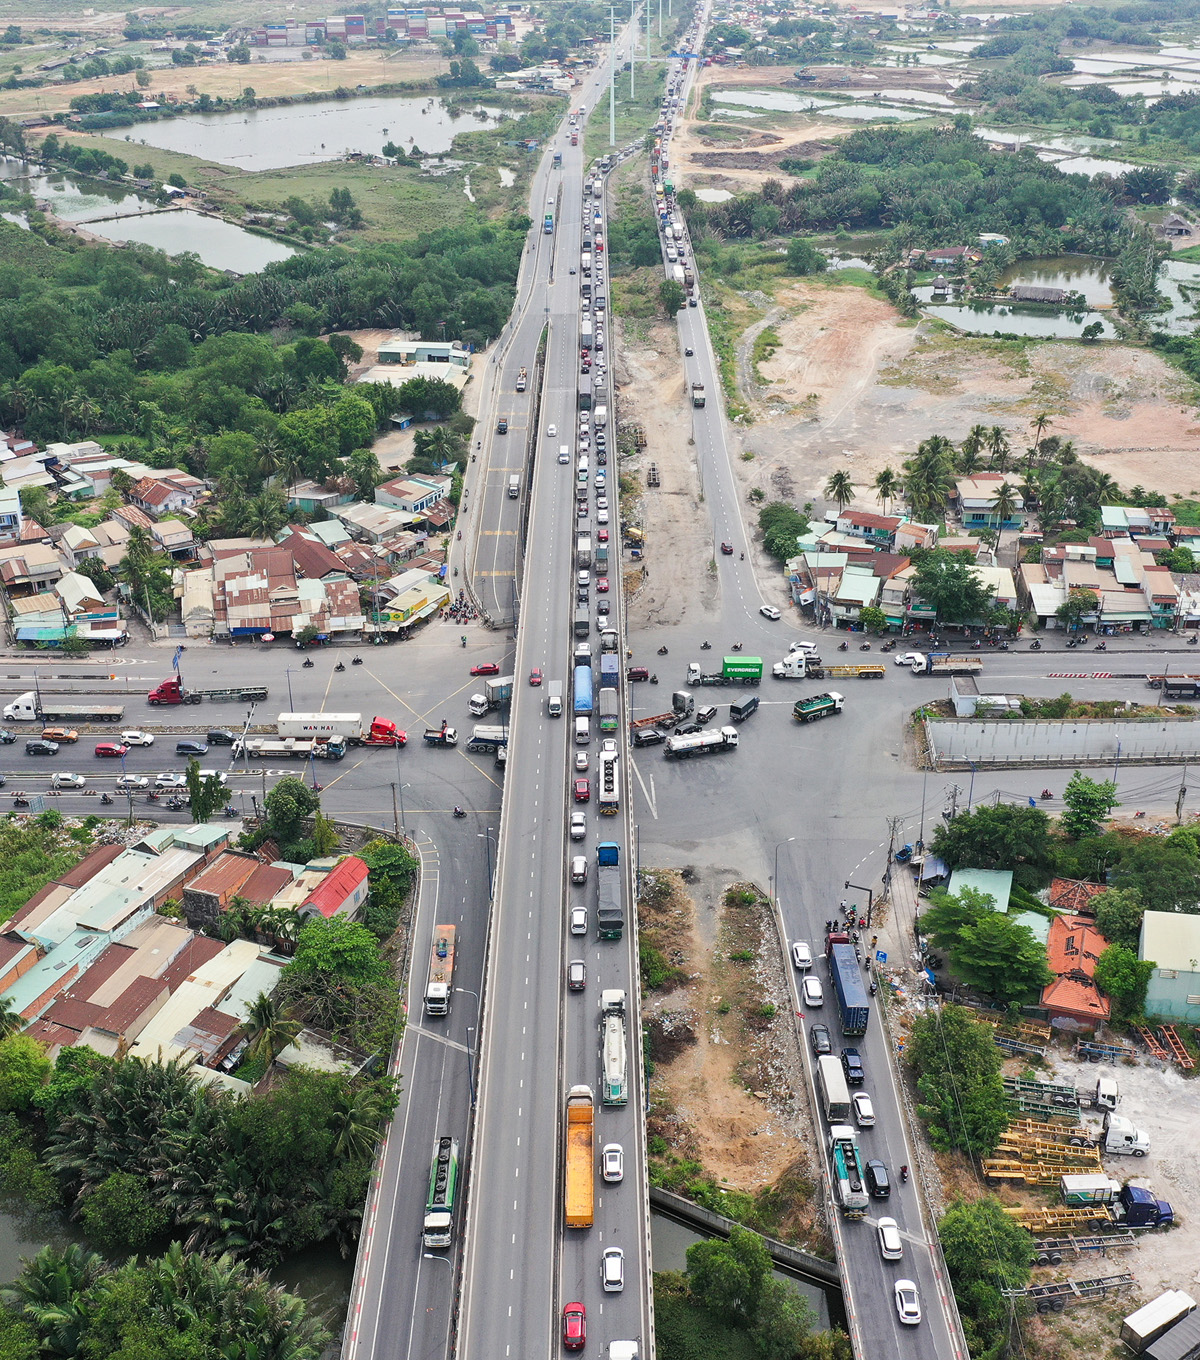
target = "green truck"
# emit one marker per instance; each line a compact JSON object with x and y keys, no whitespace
{"x":817,"y":706}
{"x":735,"y":670}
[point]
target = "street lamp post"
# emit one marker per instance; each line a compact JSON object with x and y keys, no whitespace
{"x":775,"y":878}
{"x":870,"y":892}
{"x":486,"y":834}
{"x":470,"y":1064}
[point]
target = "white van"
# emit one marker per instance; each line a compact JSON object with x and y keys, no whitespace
{"x":583,"y":731}
{"x":514,"y":486}
{"x":564,"y":453}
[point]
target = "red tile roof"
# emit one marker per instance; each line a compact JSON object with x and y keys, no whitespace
{"x":314,"y":561}
{"x":867,"y":519}
{"x":337,"y":886}
{"x":1072,"y":948}
{"x":1073,"y":895}
{"x":225,"y":875}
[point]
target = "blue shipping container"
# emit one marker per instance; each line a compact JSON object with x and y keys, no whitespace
{"x":846,"y":973}
{"x":583,"y":691}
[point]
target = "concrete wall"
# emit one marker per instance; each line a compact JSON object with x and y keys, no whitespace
{"x":1035,"y":741}
{"x":1174,"y":995}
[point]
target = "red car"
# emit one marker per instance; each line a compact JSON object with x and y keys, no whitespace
{"x":111,"y":748}
{"x":602,"y":536}
{"x":727,"y":549}
{"x":583,"y":791}
{"x":535,"y":676}
{"x":574,"y":1326}
{"x":486,"y":668}
{"x":602,"y":584}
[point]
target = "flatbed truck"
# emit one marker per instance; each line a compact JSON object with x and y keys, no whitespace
{"x":578,"y":1169}
{"x":173,"y":691}
{"x":289,"y":748}
{"x":946,"y":663}
{"x":440,"y":982}
{"x":27,"y":708}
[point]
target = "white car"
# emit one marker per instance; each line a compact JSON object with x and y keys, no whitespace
{"x":601,"y":516}
{"x":612,"y":1271}
{"x":551,"y":431}
{"x":578,"y":826}
{"x":133,"y":781}
{"x":907,"y":658}
{"x":167,"y":780}
{"x":891,"y":1246}
{"x":581,"y":762}
{"x":578,"y":869}
{"x":801,"y":956}
{"x":811,"y":991}
{"x":768,"y":611}
{"x":601,"y":502}
{"x":908,"y":1302}
{"x":67,"y":781}
{"x":137,"y":738}
{"x":218,"y":775}
{"x":808,"y":648}
{"x":612,"y":1162}
{"x":579,"y":920}
{"x":864,"y":1111}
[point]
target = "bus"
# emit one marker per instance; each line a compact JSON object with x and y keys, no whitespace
{"x":443,"y":1189}
{"x":609,"y":782}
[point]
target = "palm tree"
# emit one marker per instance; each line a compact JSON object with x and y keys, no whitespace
{"x":357,"y":1116}
{"x":1039,"y":423}
{"x":11,"y":1019}
{"x":974,"y":443}
{"x":998,"y":448}
{"x":268,"y":1028}
{"x":968,"y":460}
{"x":887,"y":484}
{"x":53,"y":1293}
{"x":841,"y":489}
{"x":1004,"y":507}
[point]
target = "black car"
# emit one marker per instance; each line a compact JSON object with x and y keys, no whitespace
{"x":818,"y":1036}
{"x":502,"y":426}
{"x":191,"y":748}
{"x":38,"y":747}
{"x":649,"y":736}
{"x":6,"y":737}
{"x":878,"y":1182}
{"x":853,"y":1067}
{"x":218,"y":737}
{"x":687,"y":729}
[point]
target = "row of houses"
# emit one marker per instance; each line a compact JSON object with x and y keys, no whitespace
{"x":90,"y":959}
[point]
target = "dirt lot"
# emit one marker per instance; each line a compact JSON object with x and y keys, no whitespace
{"x":728,"y":1086}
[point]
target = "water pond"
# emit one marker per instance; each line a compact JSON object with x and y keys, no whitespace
{"x":714,"y":195}
{"x":1082,"y":274}
{"x":304,"y":134}
{"x":980,"y":318}
{"x":778,"y":101}
{"x":220,"y":244}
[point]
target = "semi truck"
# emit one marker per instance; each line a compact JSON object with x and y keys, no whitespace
{"x":1126,"y":1206}
{"x":1176,"y":686}
{"x":554,"y":698}
{"x":289,"y":748}
{"x":835,"y":1094}
{"x":682,"y":706}
{"x":497,"y":692}
{"x":609,"y":782}
{"x":799,"y":666}
{"x":583,"y":691}
{"x":348,"y":726}
{"x":849,"y":1185}
{"x":615,"y":1088}
{"x":438,"y":1230}
{"x":945,"y":663}
{"x":485,"y":737}
{"x":439,"y":985}
{"x":609,"y":710}
{"x":817,"y":706}
{"x":28,"y":708}
{"x":440,"y":736}
{"x":173,"y":691}
{"x":698,"y":394}
{"x":610,"y":641}
{"x":610,"y":914}
{"x":735,"y":670}
{"x":579,"y":1176}
{"x":706,"y":743}
{"x":846,"y":975}
{"x":1117,"y":1135}
{"x":583,"y":550}
{"x":522,"y":380}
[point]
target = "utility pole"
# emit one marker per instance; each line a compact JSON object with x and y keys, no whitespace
{"x":893,"y":827}
{"x":1181,"y":797}
{"x":633,"y":37}
{"x":395,"y":812}
{"x":612,"y":77}
{"x":952,"y":808}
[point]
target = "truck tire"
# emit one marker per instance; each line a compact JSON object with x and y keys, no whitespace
{"x":1139,"y":1152}
{"x":1057,"y":1305}
{"x":154,"y":703}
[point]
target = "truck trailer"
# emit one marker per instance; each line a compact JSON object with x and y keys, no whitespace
{"x":439,"y":985}
{"x":945,"y":663}
{"x":735,"y":670}
{"x":173,"y":691}
{"x":706,"y":743}
{"x":27,"y":708}
{"x":846,"y":975}
{"x":610,"y":913}
{"x":817,"y":706}
{"x":835,"y":1094}
{"x":488,"y":737}
{"x":615,"y":1088}
{"x":348,"y":726}
{"x":289,"y":748}
{"x":578,"y":1170}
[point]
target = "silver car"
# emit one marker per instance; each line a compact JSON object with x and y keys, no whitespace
{"x":612,"y":1162}
{"x":579,"y":920}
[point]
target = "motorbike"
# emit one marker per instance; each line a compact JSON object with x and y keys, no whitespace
{"x":230,"y":810}
{"x":106,"y":799}
{"x":1046,"y":793}
{"x":904,"y":1173}
{"x":463,"y":639}
{"x":456,"y":571}
{"x":20,"y":800}
{"x":654,"y":679}
{"x":976,"y":646}
{"x":459,"y":535}
{"x":1035,"y":646}
{"x":458,"y":812}
{"x":1071,"y":642}
{"x":736,"y":647}
{"x":889,"y":645}
{"x":356,"y":660}
{"x":1193,"y":640}
{"x":308,"y":663}
{"x":1100,"y":647}
{"x":153,"y":797}
{"x":176,"y":804}
{"x":341,"y":666}
{"x":706,"y":646}
{"x":874,"y":988}
{"x":662,"y":651}
{"x":741,"y":557}
{"x":1004,"y":646}
{"x":864,"y":646}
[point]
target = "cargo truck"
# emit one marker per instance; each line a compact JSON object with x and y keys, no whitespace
{"x":557,"y":164}
{"x":583,"y":550}
{"x":615,"y":1088}
{"x":583,"y":691}
{"x":610,"y":668}
{"x":441,"y":736}
{"x":348,"y":726}
{"x":682,"y":705}
{"x":835,"y":1094}
{"x":735,"y":670}
{"x":289,"y":748}
{"x":689,"y":278}
{"x":585,"y":392}
{"x":799,"y":666}
{"x":579,"y":1175}
{"x":585,"y":261}
{"x":585,"y":333}
{"x":609,"y":783}
{"x":600,"y":416}
{"x":677,"y":274}
{"x":522,"y":380}
{"x":497,"y":692}
{"x":849,"y":1186}
{"x":172,"y":691}
{"x":610,"y":710}
{"x":845,"y":972}
{"x":945,"y":663}
{"x":1176,"y":686}
{"x":583,"y":621}
{"x":698,"y":394}
{"x":817,"y":706}
{"x":706,"y":743}
{"x":487,"y":738}
{"x":27,"y":708}
{"x":554,"y":698}
{"x":439,"y":985}
{"x":1144,"y":1327}
{"x":438,"y":1230}
{"x":610,"y":640}
{"x":610,"y":914}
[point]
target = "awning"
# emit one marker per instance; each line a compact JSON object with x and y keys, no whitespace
{"x":249,"y":631}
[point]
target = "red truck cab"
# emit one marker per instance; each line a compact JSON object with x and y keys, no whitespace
{"x":169,"y":692}
{"x":384,"y":732}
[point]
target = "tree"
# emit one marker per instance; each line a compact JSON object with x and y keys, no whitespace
{"x":1123,"y":977}
{"x":949,"y":915}
{"x":339,"y":949}
{"x":986,"y":1252}
{"x":121,"y":1216}
{"x":928,"y":476}
{"x":783,"y":1322}
{"x":781,"y":524}
{"x":872,"y":618}
{"x":1004,"y":507}
{"x":960,"y":1092}
{"x":1001,"y":957}
{"x":949,"y":583}
{"x":1165,"y":877}
{"x":206,"y":794}
{"x":325,"y":835}
{"x":269,"y":1029}
{"x":998,"y":448}
{"x":804,"y":258}
{"x":1088,"y":803}
{"x":887,"y":484}
{"x":1077,"y":604}
{"x":1119,"y":913}
{"x":363,"y":468}
{"x":287,"y":805}
{"x":727,"y":1276}
{"x":11,"y":1019}
{"x":671,"y":297}
{"x":1002,"y":837}
{"x":840,"y":488}
{"x":23,"y":1068}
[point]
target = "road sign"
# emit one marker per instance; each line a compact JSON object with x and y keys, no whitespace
{"x":881,"y":956}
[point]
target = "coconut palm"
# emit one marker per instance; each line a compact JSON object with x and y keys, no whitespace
{"x":358,"y":1115}
{"x":1004,"y":507}
{"x":268,"y":1028}
{"x":967,"y":462}
{"x":974,"y":444}
{"x":887,"y":486}
{"x":1039,"y":423}
{"x":11,"y":1019}
{"x":929,"y":476}
{"x":998,"y":448}
{"x":840,"y":488}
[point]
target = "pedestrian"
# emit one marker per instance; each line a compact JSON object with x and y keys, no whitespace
{"x":874,"y":941}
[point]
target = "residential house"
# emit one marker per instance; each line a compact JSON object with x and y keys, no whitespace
{"x":195,"y":594}
{"x":373,"y":523}
{"x":11,"y":516}
{"x":31,"y":567}
{"x":857,"y":590}
{"x":1171,"y":941}
{"x":1133,"y":521}
{"x":1074,"y":896}
{"x":313,"y":560}
{"x":314,"y":498}
{"x":974,"y":499}
{"x":413,"y":494}
{"x":910,"y":535}
{"x":878,"y":530}
{"x":232,"y":874}
{"x":410,"y":353}
{"x":161,"y":499}
{"x":1032,"y":292}
{"x":341,"y":891}
{"x":1072,"y":948}
{"x":76,"y":544}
